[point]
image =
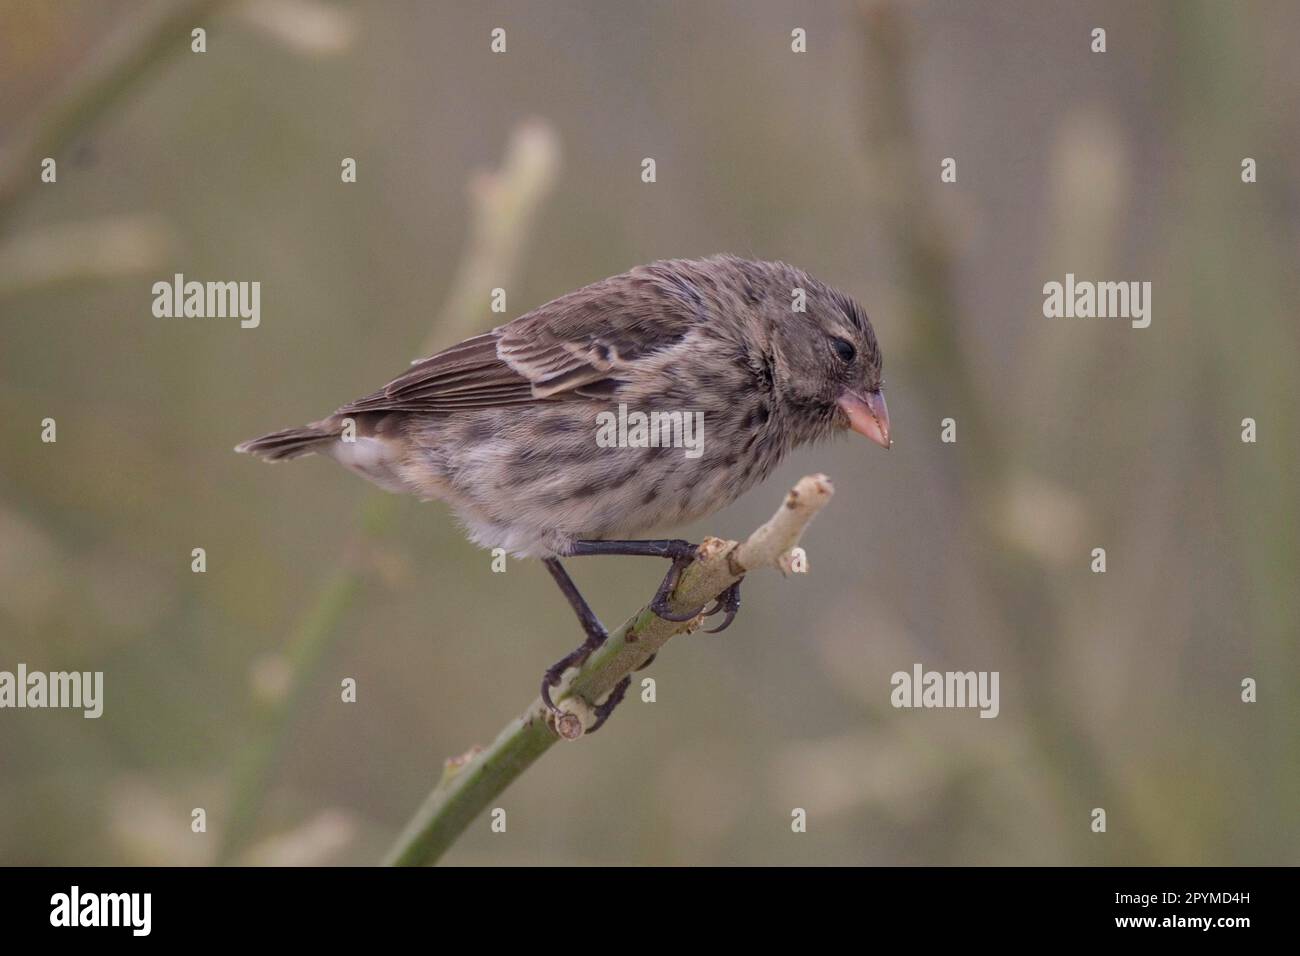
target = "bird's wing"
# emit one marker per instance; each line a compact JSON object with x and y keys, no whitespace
{"x":579,"y":346}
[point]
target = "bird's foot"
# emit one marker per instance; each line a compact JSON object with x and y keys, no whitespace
{"x":660,"y":604}
{"x":681,"y":553}
{"x":555,"y":673}
{"x":729,"y":602}
{"x":615,"y":698}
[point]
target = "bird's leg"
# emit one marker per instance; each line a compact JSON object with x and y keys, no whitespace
{"x":596,"y":635}
{"x":595,"y":631}
{"x":681,"y":552}
{"x":655,"y":548}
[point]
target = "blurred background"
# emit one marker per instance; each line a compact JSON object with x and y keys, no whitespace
{"x":474,"y":170}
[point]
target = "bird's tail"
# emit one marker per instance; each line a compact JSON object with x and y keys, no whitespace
{"x":290,"y":442}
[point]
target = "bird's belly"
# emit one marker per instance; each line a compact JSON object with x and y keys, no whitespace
{"x":531,"y":480}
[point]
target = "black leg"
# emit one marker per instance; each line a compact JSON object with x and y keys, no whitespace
{"x":656,"y":548}
{"x":595,"y":631}
{"x":586,"y":616}
{"x":681,"y":552}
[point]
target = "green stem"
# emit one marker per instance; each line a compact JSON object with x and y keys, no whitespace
{"x":471,"y":782}
{"x":465,"y":790}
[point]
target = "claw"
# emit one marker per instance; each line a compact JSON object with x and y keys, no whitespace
{"x":726,"y":622}
{"x":661,"y":610}
{"x":550,"y":680}
{"x":555,"y":673}
{"x":729,"y":601}
{"x":659,"y":605}
{"x":604,"y":710}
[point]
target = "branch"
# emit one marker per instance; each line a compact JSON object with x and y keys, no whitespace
{"x":471,"y":781}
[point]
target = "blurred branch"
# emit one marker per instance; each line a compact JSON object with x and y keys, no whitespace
{"x":918,"y":229}
{"x":503,"y":207}
{"x":1014,"y":581}
{"x":271,"y":717}
{"x":102,"y":248}
{"x":122,"y":63}
{"x":470,"y":782}
{"x":307,"y":27}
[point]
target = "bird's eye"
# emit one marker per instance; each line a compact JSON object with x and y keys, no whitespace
{"x":844,"y":349}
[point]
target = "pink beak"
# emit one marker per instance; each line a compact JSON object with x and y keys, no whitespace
{"x":868,"y":415}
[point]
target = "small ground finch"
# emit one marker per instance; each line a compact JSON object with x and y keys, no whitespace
{"x":646,"y":400}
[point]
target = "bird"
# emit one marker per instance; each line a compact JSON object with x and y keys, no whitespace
{"x":512,"y":428}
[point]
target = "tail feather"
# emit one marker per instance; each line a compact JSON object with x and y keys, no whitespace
{"x":289,"y":442}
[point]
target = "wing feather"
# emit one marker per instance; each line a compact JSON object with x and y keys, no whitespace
{"x":580,"y":346}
